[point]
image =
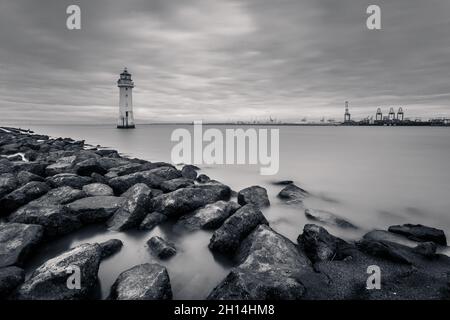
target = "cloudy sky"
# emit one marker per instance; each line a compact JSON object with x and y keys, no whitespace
{"x":223,"y":59}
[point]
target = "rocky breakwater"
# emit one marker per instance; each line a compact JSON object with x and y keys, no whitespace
{"x":52,"y":187}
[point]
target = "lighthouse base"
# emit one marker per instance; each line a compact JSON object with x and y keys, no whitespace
{"x":126,"y":127}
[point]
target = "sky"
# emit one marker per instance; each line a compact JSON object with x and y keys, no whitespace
{"x":223,"y":60}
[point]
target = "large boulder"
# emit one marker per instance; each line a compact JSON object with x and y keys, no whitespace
{"x":189,"y":172}
{"x":6,"y":166}
{"x":24,"y":177}
{"x":125,"y":169}
{"x":293,"y":194}
{"x":133,"y":209}
{"x":329,"y":218}
{"x":109,"y":162}
{"x":10,"y":278}
{"x":185,"y":200}
{"x":270,"y":268}
{"x":174,"y":184}
{"x":17,"y":240}
{"x":386,"y":250}
{"x":36,"y":167}
{"x":8,"y":183}
{"x":152,"y":220}
{"x":142,"y":282}
{"x":421,"y":233}
{"x":152,"y":178}
{"x":405,"y":274}
{"x":98,"y":189}
{"x":88,"y":167}
{"x":68,"y":179}
{"x":255,"y":195}
{"x":227,"y":238}
{"x":110,"y":247}
{"x":319,"y":245}
{"x":49,"y":281}
{"x":63,"y":165}
{"x":210,"y":216}
{"x":95,"y":209}
{"x":161,"y":248}
{"x":50,"y":212}
{"x":22,"y":196}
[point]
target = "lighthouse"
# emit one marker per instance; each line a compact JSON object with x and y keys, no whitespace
{"x":126,"y":85}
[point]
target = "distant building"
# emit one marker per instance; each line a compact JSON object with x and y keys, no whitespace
{"x":126,"y":85}
{"x":347,"y":116}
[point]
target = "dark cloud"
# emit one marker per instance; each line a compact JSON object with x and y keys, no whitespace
{"x":220,"y":60}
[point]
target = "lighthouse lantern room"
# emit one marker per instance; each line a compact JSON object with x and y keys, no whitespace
{"x":126,"y":85}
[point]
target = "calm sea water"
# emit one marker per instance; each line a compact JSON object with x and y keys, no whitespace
{"x":373,"y":176}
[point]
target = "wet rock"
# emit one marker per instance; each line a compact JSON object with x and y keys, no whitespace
{"x":346,"y":279}
{"x":61,"y":195}
{"x":16,"y":242}
{"x":152,"y":178}
{"x":202,"y":178}
{"x":22,"y":196}
{"x":133,"y":209}
{"x":109,"y":163}
{"x":163,"y":249}
{"x":185,"y":200}
{"x":328,"y":218}
{"x":210,"y":216}
{"x":421,"y":233}
{"x":31,"y":155}
{"x":381,"y":235}
{"x":227,"y":238}
{"x":293,"y":194}
{"x":189,"y":172}
{"x":111,"y":153}
{"x":142,"y":282}
{"x":15,"y":157}
{"x":386,"y":250}
{"x":125,"y":169}
{"x":174,"y":184}
{"x":55,"y":219}
{"x":270,"y":268}
{"x":427,"y":249}
{"x":110,"y":247}
{"x":283,"y":182}
{"x":152,"y":220}
{"x":36,"y":167}
{"x":98,"y":178}
{"x":255,"y":195}
{"x":8,"y":183}
{"x":95,"y":209}
{"x":24,"y":177}
{"x":98,"y":189}
{"x":49,"y":281}
{"x":63,"y":165}
{"x":6,"y":166}
{"x":68,"y":179}
{"x":88,"y":167}
{"x":222,"y":190}
{"x":49,"y":211}
{"x":10,"y":278}
{"x":319,"y":245}
{"x":11,"y":148}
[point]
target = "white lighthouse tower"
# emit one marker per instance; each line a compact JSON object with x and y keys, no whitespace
{"x":126,"y":85}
